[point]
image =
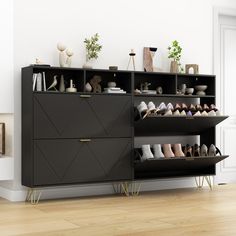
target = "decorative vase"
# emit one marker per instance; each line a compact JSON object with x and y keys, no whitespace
{"x":88,"y":87}
{"x":89,"y":63}
{"x":174,"y":67}
{"x":62,"y":84}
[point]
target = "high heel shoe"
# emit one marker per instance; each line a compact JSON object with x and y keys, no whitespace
{"x":192,"y":108}
{"x":204,"y":150}
{"x":168,"y":151}
{"x":189,"y":113}
{"x":176,"y":113}
{"x":161,"y":108}
{"x":213,"y":150}
{"x":177,"y":107}
{"x":168,"y":113}
{"x":198,"y":107}
{"x":196,"y":150}
{"x":213,"y":107}
{"x":212,"y":113}
{"x":170,"y":107}
{"x":188,"y":152}
{"x":178,"y":150}
{"x":206,"y":108}
{"x":184,"y":107}
{"x":204,"y":113}
{"x":142,"y":109}
{"x":157,"y":151}
{"x":182,"y":113}
{"x":198,"y":113}
{"x":147,"y":153}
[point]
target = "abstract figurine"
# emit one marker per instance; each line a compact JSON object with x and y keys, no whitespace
{"x":64,"y":55}
{"x":148,"y":55}
{"x":54,"y":84}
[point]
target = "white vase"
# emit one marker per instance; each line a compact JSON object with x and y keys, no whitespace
{"x":89,"y":63}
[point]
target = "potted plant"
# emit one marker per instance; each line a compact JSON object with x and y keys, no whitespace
{"x":92,"y":49}
{"x":175,"y":54}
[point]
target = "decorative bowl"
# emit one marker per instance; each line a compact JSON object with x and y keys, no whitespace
{"x":111,"y":84}
{"x":201,"y":89}
{"x":189,"y":91}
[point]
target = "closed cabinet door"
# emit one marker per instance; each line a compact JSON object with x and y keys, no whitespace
{"x":74,"y":116}
{"x":65,"y":161}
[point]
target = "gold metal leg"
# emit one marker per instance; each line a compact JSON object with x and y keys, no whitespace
{"x":33,"y":196}
{"x":125,"y":188}
{"x":209,"y":181}
{"x":135,"y":188}
{"x":199,"y":181}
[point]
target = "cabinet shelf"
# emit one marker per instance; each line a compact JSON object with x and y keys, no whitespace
{"x":174,"y":96}
{"x":175,"y":125}
{"x":176,"y":167}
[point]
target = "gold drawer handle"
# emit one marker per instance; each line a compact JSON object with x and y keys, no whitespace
{"x":85,"y":96}
{"x":85,"y":140}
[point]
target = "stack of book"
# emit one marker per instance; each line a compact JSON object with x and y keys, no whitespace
{"x":114,"y":90}
{"x":39,"y":82}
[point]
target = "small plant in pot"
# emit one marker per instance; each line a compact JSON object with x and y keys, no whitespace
{"x":92,"y":49}
{"x":175,"y":54}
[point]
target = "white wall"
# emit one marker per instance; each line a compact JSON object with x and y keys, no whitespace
{"x":122,"y":25}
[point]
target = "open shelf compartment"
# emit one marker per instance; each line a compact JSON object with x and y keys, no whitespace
{"x":176,"y":167}
{"x":175,"y":125}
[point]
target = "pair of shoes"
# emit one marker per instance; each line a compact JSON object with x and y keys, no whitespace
{"x":176,"y":152}
{"x":205,"y":113}
{"x":146,"y":109}
{"x":212,"y":151}
{"x":190,"y":151}
{"x":163,"y":109}
{"x":147,"y":152}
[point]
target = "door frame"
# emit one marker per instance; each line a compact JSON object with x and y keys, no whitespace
{"x":216,"y":68}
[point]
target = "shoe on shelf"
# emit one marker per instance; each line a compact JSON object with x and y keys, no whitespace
{"x":189,"y":113}
{"x":142,"y":109}
{"x":146,"y":152}
{"x":176,"y":113}
{"x":161,"y":108}
{"x":213,"y":150}
{"x":184,"y":107}
{"x":198,"y":113}
{"x":168,"y":151}
{"x":204,"y":113}
{"x":192,"y":108}
{"x":218,"y":113}
{"x":188,"y":151}
{"x":196,"y":150}
{"x":198,"y":107}
{"x":177,"y":107}
{"x":183,"y":113}
{"x":157,"y":151}
{"x":206,"y":108}
{"x":170,"y":107}
{"x":204,"y":150}
{"x":151,"y":107}
{"x":168,"y":113}
{"x":213,"y":107}
{"x":178,"y":150}
{"x":212,"y":113}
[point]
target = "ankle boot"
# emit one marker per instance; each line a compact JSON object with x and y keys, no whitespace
{"x":178,"y":150}
{"x":157,"y":151}
{"x":168,"y":151}
{"x":142,"y":109}
{"x":147,"y":153}
{"x":203,"y":151}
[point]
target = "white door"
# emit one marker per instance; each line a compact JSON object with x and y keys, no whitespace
{"x":225,"y":69}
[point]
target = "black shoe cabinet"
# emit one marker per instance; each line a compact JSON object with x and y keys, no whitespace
{"x":74,"y":138}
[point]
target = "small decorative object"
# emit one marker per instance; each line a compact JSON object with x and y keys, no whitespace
{"x":2,"y":138}
{"x":159,"y":90}
{"x":131,"y":57}
{"x":72,"y":88}
{"x":111,"y":84}
{"x":54,"y":84}
{"x":148,"y":55}
{"x":113,"y":67}
{"x":189,"y":91}
{"x":137,"y":91}
{"x":95,"y":83}
{"x":62,"y":84}
{"x":182,"y":89}
{"x":88,"y":87}
{"x":191,"y":69}
{"x":92,"y":49}
{"x":175,"y":54}
{"x":201,"y":89}
{"x":64,"y":55}
{"x":144,"y":86}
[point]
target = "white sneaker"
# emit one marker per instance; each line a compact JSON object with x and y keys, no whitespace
{"x":204,"y":113}
{"x":157,"y":151}
{"x":176,"y":113}
{"x":212,"y":113}
{"x":147,"y":153}
{"x":142,"y":109}
{"x":197,"y":113}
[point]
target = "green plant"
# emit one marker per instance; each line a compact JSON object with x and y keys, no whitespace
{"x":92,"y":47}
{"x":175,"y":53}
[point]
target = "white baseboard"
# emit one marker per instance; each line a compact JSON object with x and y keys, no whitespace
{"x":94,"y":189}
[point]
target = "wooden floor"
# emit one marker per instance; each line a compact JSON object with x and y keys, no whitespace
{"x":174,"y":212}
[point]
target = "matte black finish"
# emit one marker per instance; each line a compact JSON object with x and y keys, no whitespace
{"x":73,"y":138}
{"x":175,"y":125}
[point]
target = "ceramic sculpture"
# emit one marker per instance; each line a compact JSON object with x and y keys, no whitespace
{"x":64,"y":55}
